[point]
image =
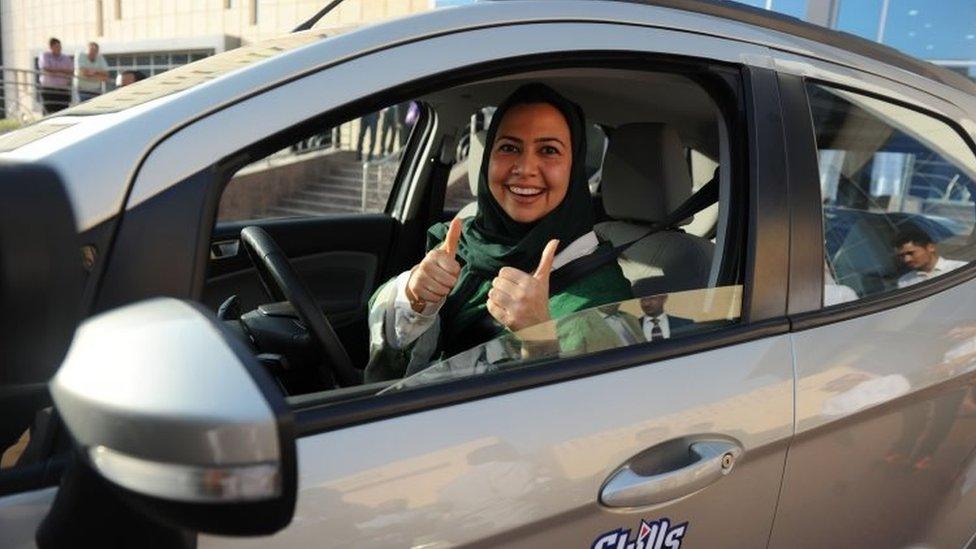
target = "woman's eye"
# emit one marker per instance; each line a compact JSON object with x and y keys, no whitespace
{"x":507,"y":148}
{"x":549,"y":150}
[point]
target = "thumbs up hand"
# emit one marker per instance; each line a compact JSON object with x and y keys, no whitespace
{"x":518,"y":300}
{"x":437,"y":273}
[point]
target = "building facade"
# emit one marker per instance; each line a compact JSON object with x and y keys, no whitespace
{"x":153,"y":36}
{"x":941,"y":32}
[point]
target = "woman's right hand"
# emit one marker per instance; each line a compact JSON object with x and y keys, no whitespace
{"x":437,"y":273}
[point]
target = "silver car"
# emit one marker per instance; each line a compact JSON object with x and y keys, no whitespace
{"x":795,"y":206}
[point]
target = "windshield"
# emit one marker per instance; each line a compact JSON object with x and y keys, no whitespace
{"x":588,"y":331}
{"x":198,"y":72}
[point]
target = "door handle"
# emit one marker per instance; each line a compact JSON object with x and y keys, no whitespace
{"x":677,"y":469}
{"x":225,"y":249}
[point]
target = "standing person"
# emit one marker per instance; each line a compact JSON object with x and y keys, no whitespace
{"x":915,"y":249}
{"x":657,"y":324}
{"x":490,"y":274}
{"x":91,"y":73}
{"x":389,"y":123}
{"x":56,"y":72}
{"x":367,"y":122}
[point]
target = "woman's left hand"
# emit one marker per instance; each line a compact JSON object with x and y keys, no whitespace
{"x":517,"y":299}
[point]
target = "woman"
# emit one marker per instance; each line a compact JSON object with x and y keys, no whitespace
{"x":490,"y":274}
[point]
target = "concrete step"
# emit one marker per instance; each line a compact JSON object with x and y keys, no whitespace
{"x":320,"y":203}
{"x":332,"y":179}
{"x":320,"y":192}
{"x":323,"y":199}
{"x":284,"y":211}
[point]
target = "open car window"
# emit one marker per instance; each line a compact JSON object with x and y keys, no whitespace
{"x":646,"y":320}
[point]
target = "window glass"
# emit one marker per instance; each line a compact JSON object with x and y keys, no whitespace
{"x":346,"y":169}
{"x":642,"y":320}
{"x":897,"y":188}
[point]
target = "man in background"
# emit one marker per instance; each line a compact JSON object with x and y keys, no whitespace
{"x":56,"y":72}
{"x":91,"y":73}
{"x":915,"y":249}
{"x":128,"y":77}
{"x":657,"y":324}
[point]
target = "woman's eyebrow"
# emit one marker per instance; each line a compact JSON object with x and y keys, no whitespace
{"x":509,"y":137}
{"x":556,"y":139}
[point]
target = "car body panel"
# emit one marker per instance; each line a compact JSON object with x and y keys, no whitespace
{"x":447,"y":476}
{"x":876,"y":395}
{"x":509,"y":472}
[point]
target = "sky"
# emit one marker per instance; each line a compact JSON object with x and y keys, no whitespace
{"x":928,"y":29}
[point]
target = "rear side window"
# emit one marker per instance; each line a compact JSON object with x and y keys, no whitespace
{"x":897,"y":190}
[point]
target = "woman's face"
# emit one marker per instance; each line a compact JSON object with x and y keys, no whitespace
{"x":531,"y":160}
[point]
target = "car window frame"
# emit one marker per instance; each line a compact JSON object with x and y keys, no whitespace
{"x":764,"y":289}
{"x":764,"y":253}
{"x":807,"y":253}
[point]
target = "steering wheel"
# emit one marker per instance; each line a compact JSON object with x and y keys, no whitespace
{"x":282,"y":283}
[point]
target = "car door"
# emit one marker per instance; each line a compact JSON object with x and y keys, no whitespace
{"x":524,"y":457}
{"x":883,"y":454}
{"x":41,"y":287}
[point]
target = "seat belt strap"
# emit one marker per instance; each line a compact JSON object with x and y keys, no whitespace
{"x":578,"y":268}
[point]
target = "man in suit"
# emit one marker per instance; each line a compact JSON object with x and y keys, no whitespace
{"x":655,"y":324}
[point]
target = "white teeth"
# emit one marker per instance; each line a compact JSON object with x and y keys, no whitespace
{"x":525,"y":191}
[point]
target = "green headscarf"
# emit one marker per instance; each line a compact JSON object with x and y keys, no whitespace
{"x":491,"y":239}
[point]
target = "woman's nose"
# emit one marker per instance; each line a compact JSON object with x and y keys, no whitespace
{"x":525,"y":166}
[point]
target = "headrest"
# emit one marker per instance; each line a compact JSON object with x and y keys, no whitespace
{"x":40,"y":273}
{"x":476,"y":151}
{"x":645,"y":174}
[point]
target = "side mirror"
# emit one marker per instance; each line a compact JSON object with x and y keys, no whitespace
{"x":178,"y":414}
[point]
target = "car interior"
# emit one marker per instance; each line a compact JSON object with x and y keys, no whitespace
{"x":655,"y":139}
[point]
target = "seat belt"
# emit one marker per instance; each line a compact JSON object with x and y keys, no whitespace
{"x":578,"y":268}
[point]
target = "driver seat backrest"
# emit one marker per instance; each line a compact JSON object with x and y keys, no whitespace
{"x":476,"y":151}
{"x":645,"y":177}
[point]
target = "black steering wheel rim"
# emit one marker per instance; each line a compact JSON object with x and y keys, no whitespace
{"x":282,"y":283}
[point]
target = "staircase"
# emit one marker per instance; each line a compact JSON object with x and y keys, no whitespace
{"x":338,"y":188}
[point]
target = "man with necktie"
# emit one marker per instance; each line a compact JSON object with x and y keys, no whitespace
{"x":655,"y":323}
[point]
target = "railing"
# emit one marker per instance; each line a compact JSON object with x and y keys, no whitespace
{"x":23,"y":98}
{"x":378,"y":176}
{"x":20,"y":92}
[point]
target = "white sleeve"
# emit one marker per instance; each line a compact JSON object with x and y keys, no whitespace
{"x":403,"y":324}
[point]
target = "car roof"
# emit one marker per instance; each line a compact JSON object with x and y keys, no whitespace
{"x":772,"y":20}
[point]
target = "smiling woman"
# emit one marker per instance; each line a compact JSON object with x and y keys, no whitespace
{"x":490,"y":274}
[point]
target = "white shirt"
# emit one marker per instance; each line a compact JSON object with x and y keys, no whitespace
{"x":835,"y":294}
{"x":648,"y":324}
{"x":404,"y":325}
{"x":942,"y":266}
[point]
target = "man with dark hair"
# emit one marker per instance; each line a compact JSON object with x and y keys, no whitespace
{"x":656,"y":324}
{"x":56,"y":73}
{"x":129,"y":77}
{"x":915,"y":249}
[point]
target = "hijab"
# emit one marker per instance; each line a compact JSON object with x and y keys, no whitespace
{"x":492,"y":239}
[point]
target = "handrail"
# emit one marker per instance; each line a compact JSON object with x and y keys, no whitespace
{"x":23,"y":98}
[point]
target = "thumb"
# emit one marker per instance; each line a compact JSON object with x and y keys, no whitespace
{"x":453,"y":236}
{"x":545,"y":264}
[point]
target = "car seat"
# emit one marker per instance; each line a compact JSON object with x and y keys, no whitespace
{"x":476,"y":151}
{"x":645,"y":177}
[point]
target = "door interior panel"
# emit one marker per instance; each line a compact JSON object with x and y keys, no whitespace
{"x":341,"y":258}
